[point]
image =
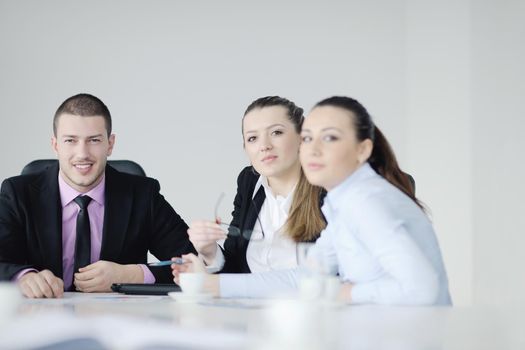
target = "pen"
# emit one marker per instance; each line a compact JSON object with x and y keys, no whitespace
{"x":177,"y":261}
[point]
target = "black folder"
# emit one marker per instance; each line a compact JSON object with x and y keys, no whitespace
{"x":145,"y":289}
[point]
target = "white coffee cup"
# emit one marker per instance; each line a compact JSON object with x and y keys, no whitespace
{"x":10,"y":299}
{"x":192,"y":283}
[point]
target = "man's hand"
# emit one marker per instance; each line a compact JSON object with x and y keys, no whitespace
{"x":99,"y":276}
{"x":41,"y":284}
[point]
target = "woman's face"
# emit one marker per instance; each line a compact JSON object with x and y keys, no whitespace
{"x":271,"y":141}
{"x":330,"y":151}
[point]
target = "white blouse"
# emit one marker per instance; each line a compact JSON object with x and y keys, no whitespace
{"x":274,"y":251}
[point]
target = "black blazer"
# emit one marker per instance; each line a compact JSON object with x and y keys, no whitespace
{"x":244,"y":217}
{"x":137,"y":218}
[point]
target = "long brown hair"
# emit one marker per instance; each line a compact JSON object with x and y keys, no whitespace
{"x":382,"y":159}
{"x":305,"y":221}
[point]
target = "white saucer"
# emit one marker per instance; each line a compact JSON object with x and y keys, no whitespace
{"x":181,"y":297}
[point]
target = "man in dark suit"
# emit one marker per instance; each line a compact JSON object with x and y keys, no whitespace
{"x":81,"y":224}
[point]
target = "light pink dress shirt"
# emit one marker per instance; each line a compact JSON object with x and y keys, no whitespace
{"x":69,"y":220}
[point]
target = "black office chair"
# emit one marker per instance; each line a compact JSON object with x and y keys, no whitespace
{"x":412,"y":181}
{"x":125,"y":166}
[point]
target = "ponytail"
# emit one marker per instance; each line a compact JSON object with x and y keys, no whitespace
{"x":384,"y":162}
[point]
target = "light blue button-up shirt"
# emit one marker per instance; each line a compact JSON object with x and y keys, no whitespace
{"x":377,"y":238}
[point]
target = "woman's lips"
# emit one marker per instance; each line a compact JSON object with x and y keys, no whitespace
{"x":314,"y":166}
{"x":268,"y":159}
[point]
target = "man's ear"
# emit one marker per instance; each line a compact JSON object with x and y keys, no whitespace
{"x":111,"y":142}
{"x":54,"y":144}
{"x":365,"y":150}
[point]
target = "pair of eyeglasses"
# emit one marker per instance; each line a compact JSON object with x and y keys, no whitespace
{"x":234,"y":231}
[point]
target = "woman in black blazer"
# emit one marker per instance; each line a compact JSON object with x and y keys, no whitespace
{"x":275,"y":207}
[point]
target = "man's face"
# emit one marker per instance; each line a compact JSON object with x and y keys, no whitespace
{"x":82,"y":147}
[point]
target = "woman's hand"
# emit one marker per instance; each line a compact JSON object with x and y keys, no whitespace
{"x":204,"y":236}
{"x":345,"y":293}
{"x":193,"y":264}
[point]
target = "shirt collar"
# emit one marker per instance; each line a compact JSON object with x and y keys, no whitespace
{"x":258,"y":185}
{"x":263,"y":181}
{"x":68,"y":193}
{"x":335,"y":196}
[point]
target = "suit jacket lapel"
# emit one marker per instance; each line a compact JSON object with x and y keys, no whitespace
{"x":254,"y":208}
{"x":47,"y":210}
{"x":117,"y":212}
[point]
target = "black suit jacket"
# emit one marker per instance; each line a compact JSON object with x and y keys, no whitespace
{"x":244,"y":217}
{"x":137,"y":218}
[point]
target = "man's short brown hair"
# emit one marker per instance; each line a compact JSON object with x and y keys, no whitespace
{"x":83,"y":105}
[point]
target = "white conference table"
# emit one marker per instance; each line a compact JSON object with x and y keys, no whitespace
{"x":114,"y":321}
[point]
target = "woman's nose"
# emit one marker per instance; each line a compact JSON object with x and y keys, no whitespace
{"x":265,"y":144}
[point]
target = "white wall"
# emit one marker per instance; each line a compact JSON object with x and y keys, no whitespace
{"x":438,"y":128}
{"x":178,"y":75}
{"x":498,"y":108}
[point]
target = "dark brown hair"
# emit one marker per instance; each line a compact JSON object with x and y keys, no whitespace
{"x":305,"y":221}
{"x":382,"y":159}
{"x":83,"y":105}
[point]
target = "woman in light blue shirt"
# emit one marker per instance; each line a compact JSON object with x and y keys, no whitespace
{"x":378,"y":238}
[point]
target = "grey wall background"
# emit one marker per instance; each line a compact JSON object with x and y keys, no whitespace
{"x":445,"y":82}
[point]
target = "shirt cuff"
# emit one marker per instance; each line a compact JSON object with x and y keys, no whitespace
{"x":218,"y":263}
{"x":271,"y":284}
{"x":21,"y":273}
{"x":148,"y":276}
